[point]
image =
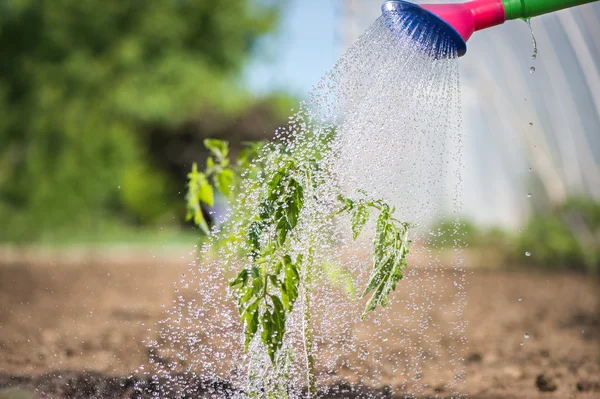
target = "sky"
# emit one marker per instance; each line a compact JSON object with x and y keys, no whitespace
{"x":304,"y":47}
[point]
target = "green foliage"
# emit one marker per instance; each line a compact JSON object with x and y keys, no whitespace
{"x":142,"y":192}
{"x":199,"y":192}
{"x":447,"y":232}
{"x":221,"y":172}
{"x":568,"y":238}
{"x":82,"y":83}
{"x":451,"y":233}
{"x":268,"y":291}
{"x":268,"y":287}
{"x":390,"y":248}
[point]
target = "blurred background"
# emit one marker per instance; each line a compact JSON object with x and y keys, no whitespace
{"x":104,"y":106}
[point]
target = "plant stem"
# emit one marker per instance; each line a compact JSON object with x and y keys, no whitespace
{"x":311,"y":374}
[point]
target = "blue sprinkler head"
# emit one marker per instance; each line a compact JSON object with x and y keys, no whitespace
{"x":401,"y":16}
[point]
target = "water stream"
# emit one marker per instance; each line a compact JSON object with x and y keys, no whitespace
{"x":383,"y":123}
{"x":535,"y":49}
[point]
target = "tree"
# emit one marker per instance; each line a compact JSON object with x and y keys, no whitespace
{"x":82,"y":85}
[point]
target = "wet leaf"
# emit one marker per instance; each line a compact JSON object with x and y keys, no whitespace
{"x":289,"y":288}
{"x":360,"y":216}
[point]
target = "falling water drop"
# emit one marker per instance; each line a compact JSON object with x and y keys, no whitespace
{"x":522,"y":344}
{"x":526,"y":335}
{"x":529,"y":195}
{"x":527,"y":253}
{"x":530,"y":170}
{"x":535,"y":50}
{"x":520,"y":299}
{"x":530,"y":123}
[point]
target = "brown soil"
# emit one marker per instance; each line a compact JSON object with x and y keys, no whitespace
{"x":93,"y":315}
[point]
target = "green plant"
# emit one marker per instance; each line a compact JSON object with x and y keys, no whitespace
{"x":223,"y":176}
{"x":566,"y":238}
{"x":277,"y":274}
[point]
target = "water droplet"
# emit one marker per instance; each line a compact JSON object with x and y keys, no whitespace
{"x":530,"y":170}
{"x":529,"y":195}
{"x":535,"y":50}
{"x":520,"y":299}
{"x":119,"y":187}
{"x":530,"y":123}
{"x":527,"y":253}
{"x":532,"y":69}
{"x":522,"y":344}
{"x":526,"y":335}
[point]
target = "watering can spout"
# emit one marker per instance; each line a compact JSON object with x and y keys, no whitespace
{"x":459,"y":21}
{"x":467,"y":18}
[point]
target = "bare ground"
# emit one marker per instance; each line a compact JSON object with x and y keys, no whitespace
{"x":92,"y":315}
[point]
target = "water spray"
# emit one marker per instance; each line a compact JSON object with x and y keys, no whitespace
{"x":457,"y":22}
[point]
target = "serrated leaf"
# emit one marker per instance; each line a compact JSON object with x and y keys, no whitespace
{"x":294,"y":204}
{"x":273,"y":324}
{"x":360,"y":216}
{"x":269,"y":334}
{"x":254,"y":232}
{"x":241,"y":279}
{"x":281,"y":230}
{"x":274,"y":280}
{"x":390,"y":248}
{"x":289,"y":288}
{"x":250,"y":319}
{"x":377,"y":274}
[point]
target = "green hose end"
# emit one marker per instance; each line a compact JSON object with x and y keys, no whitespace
{"x":524,"y":9}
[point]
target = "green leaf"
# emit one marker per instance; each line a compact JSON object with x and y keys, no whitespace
{"x":269,"y":333}
{"x":273,"y":324}
{"x":274,"y":280}
{"x":223,"y":180}
{"x":249,"y":151}
{"x":241,"y":279}
{"x":360,"y":216}
{"x":294,"y":204}
{"x":218,"y":148}
{"x":250,"y":318}
{"x":199,"y":192}
{"x":390,"y":248}
{"x":200,"y":221}
{"x":291,"y":281}
{"x":205,"y":192}
{"x":254,"y":232}
{"x":282,"y":229}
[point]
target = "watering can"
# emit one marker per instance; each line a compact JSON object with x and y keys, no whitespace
{"x":459,"y":21}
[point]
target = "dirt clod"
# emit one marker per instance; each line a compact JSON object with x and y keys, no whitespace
{"x":474,"y":358}
{"x":545,"y":383}
{"x":588,"y":386}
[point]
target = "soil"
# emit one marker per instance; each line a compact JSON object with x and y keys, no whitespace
{"x":74,"y":328}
